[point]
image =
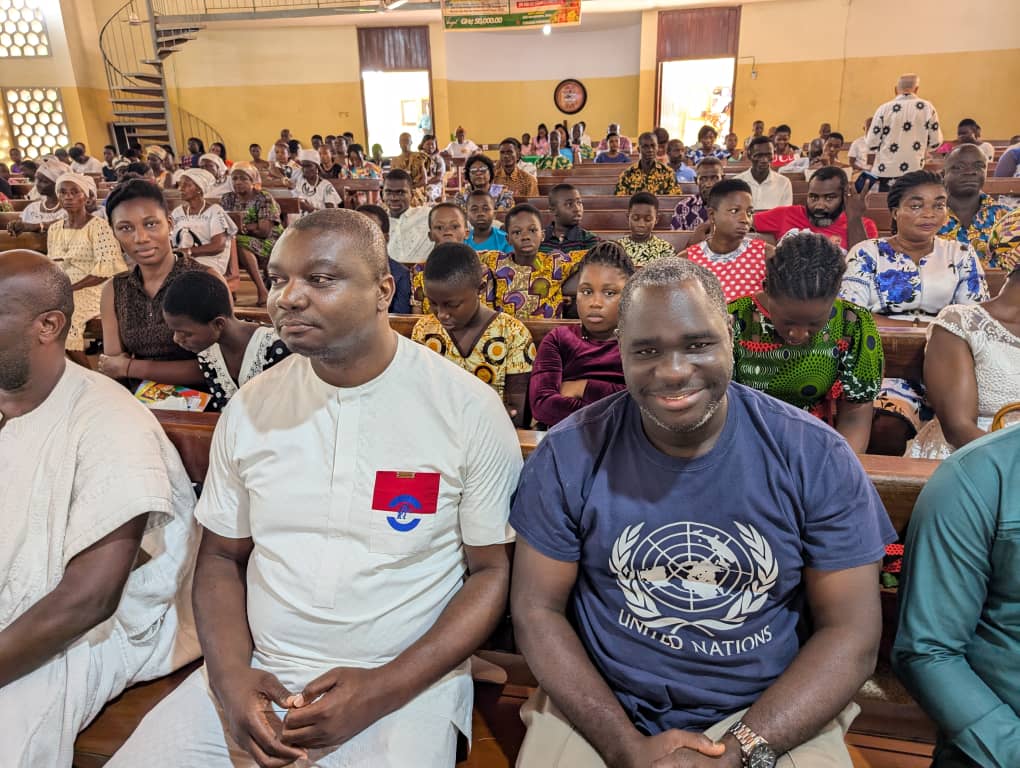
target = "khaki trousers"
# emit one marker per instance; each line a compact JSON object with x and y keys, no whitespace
{"x":552,"y":742}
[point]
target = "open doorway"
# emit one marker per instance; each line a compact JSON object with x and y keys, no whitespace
{"x":396,"y":103}
{"x":696,"y":92}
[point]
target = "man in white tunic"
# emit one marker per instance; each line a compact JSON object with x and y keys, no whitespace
{"x":409,"y":241}
{"x":354,"y":552}
{"x":99,"y":537}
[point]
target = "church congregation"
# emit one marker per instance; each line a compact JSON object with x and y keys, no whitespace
{"x":556,"y":447}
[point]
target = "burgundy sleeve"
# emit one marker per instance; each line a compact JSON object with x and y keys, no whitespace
{"x":548,"y":406}
{"x":595,"y":390}
{"x":870,"y":228}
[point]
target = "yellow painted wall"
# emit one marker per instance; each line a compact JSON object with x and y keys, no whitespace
{"x":491,"y":111}
{"x":246,"y":114}
{"x":847,"y":64}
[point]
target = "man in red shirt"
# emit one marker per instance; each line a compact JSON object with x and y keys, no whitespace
{"x":834,"y":208}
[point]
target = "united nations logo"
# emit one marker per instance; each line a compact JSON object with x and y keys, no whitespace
{"x":693,"y":575}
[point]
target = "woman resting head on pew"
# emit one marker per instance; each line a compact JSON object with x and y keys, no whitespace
{"x":39,"y":214}
{"x":197,"y":309}
{"x":577,"y":365}
{"x":138,"y":343}
{"x":214,"y":165}
{"x":735,"y":257}
{"x":494,"y":346}
{"x":971,"y":367}
{"x":261,"y":226}
{"x":85,"y":248}
{"x":908,"y":278}
{"x":201,"y":230}
{"x":795,"y":340}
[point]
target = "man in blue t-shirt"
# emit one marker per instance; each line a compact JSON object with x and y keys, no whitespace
{"x":674,"y":543}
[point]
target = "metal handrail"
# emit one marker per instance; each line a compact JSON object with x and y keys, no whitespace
{"x":126,"y":40}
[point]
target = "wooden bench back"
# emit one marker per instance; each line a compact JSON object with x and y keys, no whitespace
{"x":897,"y":480}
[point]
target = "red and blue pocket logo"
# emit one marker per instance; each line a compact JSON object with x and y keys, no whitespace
{"x":408,"y":494}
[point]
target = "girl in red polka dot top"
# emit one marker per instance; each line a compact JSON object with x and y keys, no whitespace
{"x":736,"y":258}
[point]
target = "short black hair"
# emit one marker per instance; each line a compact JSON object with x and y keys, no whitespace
{"x":110,"y":147}
{"x":201,"y":144}
{"x":827,"y":172}
{"x":317,"y":136}
{"x":724,"y":188}
{"x":399,"y":174}
{"x":169,"y":150}
{"x":709,"y":160}
{"x":561,"y":188}
{"x":446,"y":205}
{"x":517,"y":210}
{"x":805,"y":267}
{"x":837,"y":135}
{"x":359,"y":149}
{"x":198,"y":295}
{"x":76,"y":152}
{"x":608,"y":253}
{"x":643,"y":198}
{"x":512,"y":140}
{"x":756,"y":142}
{"x":611,"y":134}
{"x":140,"y":168}
{"x":293,"y":146}
{"x":783,"y":128}
{"x":378,"y":213}
{"x":453,"y":263}
{"x":968,"y":122}
{"x":478,"y":193}
{"x":371,"y":245}
{"x":135,"y":189}
{"x":704,"y":130}
{"x":486,"y":161}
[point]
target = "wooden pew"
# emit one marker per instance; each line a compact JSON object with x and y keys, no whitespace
{"x":616,"y":219}
{"x":34,"y":241}
{"x":903,"y":347}
{"x":611,"y":202}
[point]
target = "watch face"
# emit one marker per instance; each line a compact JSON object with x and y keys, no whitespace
{"x":761,"y":756}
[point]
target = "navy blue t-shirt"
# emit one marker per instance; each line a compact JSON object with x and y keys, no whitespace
{"x":689,"y":586}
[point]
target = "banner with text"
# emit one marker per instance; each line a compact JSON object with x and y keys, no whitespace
{"x":502,"y":14}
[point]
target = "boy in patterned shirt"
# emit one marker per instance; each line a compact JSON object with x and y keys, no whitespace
{"x":641,"y":245}
{"x":529,"y":282}
{"x":494,"y":346}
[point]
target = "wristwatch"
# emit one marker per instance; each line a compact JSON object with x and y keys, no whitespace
{"x":755,"y":752}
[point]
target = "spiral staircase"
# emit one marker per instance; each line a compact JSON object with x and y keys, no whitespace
{"x":135,"y":42}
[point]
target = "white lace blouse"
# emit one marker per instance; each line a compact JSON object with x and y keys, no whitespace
{"x":996,"y":354}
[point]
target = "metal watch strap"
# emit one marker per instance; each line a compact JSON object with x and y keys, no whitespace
{"x":748,"y":739}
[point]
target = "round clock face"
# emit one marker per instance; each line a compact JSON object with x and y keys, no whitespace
{"x":570,"y":96}
{"x":762,"y":757}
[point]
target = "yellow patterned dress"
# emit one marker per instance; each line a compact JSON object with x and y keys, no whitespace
{"x":92,"y":250}
{"x":529,"y":291}
{"x":505,"y":348}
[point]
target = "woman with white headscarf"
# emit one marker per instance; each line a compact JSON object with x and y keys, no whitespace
{"x":156,"y":157}
{"x":312,"y":191}
{"x":200,"y":229}
{"x":85,"y":248}
{"x":261,"y":223}
{"x":214,"y":165}
{"x":42,"y":212}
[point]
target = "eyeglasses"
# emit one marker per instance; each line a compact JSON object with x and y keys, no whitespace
{"x":478,"y":169}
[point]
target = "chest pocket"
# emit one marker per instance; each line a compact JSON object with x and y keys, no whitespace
{"x":405,"y":510}
{"x":1005,"y":559}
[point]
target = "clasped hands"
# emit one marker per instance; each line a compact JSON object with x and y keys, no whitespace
{"x":682,"y":749}
{"x":329,"y":711}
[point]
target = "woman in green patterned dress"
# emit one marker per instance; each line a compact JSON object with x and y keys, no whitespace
{"x":798,"y":342}
{"x":260,"y":227}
